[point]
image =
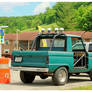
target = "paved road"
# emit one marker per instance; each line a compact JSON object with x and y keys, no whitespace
{"x":40,"y":84}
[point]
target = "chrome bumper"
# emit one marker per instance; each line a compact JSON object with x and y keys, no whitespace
{"x":32,"y":69}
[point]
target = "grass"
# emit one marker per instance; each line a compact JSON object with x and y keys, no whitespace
{"x":52,"y":26}
{"x":89,"y":87}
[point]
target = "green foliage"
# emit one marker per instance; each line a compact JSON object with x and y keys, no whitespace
{"x":78,"y":4}
{"x":52,"y":26}
{"x":50,"y":16}
{"x":69,"y":15}
{"x":74,"y":15}
{"x":83,"y":18}
{"x":64,"y":15}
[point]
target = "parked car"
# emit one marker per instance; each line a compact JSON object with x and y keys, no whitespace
{"x":60,"y":58}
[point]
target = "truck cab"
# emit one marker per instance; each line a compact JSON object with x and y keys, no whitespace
{"x":59,"y":58}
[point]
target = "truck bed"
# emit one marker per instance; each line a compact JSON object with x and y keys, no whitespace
{"x":42,"y":59}
{"x":30,"y":58}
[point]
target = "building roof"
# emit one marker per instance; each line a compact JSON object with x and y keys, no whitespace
{"x":87,"y":35}
{"x":79,"y":33}
{"x":21,"y":36}
{"x":27,"y":35}
{"x":10,"y":36}
{"x":32,"y":35}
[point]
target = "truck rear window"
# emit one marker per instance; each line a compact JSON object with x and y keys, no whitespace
{"x":58,"y":42}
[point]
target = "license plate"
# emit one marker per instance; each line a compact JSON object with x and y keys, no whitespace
{"x":18,"y":59}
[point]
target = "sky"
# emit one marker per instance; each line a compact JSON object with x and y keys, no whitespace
{"x":23,"y":8}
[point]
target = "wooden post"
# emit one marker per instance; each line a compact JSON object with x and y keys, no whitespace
{"x":17,"y":38}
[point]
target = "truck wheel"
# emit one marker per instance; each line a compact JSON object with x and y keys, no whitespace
{"x":43,"y":77}
{"x":90,"y":75}
{"x":60,"y":76}
{"x":26,"y":77}
{"x":77,"y":73}
{"x":69,"y":76}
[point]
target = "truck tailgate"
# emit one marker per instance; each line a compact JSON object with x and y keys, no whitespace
{"x":29,"y":58}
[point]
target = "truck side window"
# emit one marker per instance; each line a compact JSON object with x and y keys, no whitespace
{"x":77,"y":44}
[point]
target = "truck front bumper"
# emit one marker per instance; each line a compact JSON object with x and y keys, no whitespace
{"x":32,"y":69}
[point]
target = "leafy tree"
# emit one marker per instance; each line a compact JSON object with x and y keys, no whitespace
{"x":50,"y":16}
{"x":69,"y":15}
{"x":78,"y":4}
{"x":83,"y":18}
{"x":64,"y":13}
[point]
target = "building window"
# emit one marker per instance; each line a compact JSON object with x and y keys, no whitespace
{"x":6,"y":42}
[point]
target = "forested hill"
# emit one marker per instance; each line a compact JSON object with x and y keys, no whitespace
{"x":71,"y":16}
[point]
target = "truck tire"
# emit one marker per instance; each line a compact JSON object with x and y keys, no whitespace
{"x":69,"y":76}
{"x":60,"y":77}
{"x":43,"y":77}
{"x":90,"y":75}
{"x":27,"y":77}
{"x":77,"y":73}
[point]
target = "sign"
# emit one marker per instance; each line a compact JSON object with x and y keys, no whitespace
{"x":44,"y":40}
{"x":1,"y":37}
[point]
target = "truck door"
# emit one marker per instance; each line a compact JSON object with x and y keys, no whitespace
{"x":80,"y":54}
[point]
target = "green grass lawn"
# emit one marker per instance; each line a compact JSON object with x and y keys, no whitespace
{"x":82,"y":88}
{"x":52,"y":26}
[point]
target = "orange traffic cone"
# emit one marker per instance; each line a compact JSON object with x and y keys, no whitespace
{"x":4,"y":70}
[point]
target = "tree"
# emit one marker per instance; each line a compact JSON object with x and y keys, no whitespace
{"x":64,"y":13}
{"x":83,"y":18}
{"x":78,"y":4}
{"x":50,"y":16}
{"x":69,"y":15}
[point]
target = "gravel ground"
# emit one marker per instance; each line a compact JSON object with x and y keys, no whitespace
{"x":40,"y":84}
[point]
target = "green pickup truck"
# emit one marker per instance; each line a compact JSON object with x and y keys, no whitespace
{"x":59,"y":59}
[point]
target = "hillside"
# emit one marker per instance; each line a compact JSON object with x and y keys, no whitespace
{"x":69,"y":15}
{"x":52,"y":26}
